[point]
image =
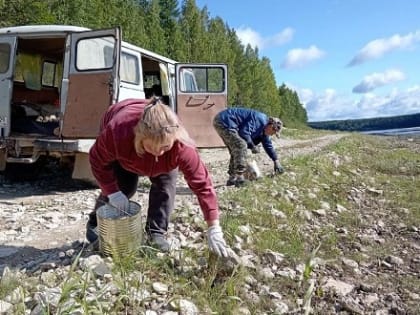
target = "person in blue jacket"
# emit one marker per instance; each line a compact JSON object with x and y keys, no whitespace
{"x":242,"y":129}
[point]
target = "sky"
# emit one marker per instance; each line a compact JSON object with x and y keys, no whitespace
{"x":346,"y":59}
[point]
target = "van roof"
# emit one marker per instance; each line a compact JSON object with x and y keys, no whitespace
{"x":34,"y":30}
{"x":41,"y":29}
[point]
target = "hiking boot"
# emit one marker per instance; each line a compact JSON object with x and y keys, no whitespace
{"x":158,"y":241}
{"x":92,"y":228}
{"x":231,"y":181}
{"x":91,"y":232}
{"x":241,"y":181}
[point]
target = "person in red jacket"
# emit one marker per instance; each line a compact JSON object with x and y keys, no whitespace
{"x":145,"y":138}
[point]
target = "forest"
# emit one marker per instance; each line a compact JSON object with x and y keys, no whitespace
{"x":180,"y":31}
{"x":369,"y":124}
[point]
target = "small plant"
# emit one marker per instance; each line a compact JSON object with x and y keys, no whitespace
{"x":8,"y":282}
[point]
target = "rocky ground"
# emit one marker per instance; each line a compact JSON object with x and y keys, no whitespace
{"x":42,"y":227}
{"x":45,"y":216}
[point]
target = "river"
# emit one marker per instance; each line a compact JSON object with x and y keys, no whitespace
{"x":414,"y":131}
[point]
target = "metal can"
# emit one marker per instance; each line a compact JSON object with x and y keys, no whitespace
{"x":120,"y":233}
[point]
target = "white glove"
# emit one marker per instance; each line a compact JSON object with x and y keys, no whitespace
{"x":216,"y":241}
{"x":119,"y":201}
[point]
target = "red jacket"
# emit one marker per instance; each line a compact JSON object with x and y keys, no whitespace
{"x":115,"y":142}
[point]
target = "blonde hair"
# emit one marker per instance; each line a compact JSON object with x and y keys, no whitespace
{"x":159,"y":124}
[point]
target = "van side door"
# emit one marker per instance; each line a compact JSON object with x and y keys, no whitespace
{"x":201,"y":93}
{"x":131,"y":79}
{"x":7,"y":64}
{"x":92,"y":81}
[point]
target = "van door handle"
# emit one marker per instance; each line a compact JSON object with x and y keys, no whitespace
{"x":192,"y":101}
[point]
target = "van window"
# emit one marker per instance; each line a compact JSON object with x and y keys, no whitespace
{"x":4,"y":57}
{"x":190,"y":83}
{"x":51,"y":71}
{"x":95,"y":53}
{"x":202,"y":80}
{"x":215,"y":82}
{"x":48,"y":73}
{"x":150,"y":79}
{"x":152,"y":84}
{"x":129,"y":71}
{"x":29,"y":70}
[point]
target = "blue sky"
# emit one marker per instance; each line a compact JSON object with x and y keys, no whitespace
{"x":345,"y":58}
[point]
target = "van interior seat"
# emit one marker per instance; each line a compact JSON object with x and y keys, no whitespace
{"x":47,"y":95}
{"x":34,"y":111}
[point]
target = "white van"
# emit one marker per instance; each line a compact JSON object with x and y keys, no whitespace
{"x":56,"y":81}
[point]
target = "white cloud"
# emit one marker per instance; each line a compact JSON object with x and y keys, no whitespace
{"x":378,"y":47}
{"x":305,"y":95}
{"x":394,"y":104}
{"x":281,"y":38}
{"x":249,"y":36}
{"x":329,"y":105}
{"x":378,"y":79}
{"x":299,"y":57}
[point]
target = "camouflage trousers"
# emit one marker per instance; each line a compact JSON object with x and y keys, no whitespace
{"x":236,"y":145}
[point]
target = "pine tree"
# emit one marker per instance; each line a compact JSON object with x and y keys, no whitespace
{"x":193,"y":30}
{"x":154,"y":29}
{"x":169,"y":19}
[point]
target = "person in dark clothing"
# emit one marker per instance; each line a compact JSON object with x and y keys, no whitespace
{"x":242,"y":129}
{"x":146,"y":138}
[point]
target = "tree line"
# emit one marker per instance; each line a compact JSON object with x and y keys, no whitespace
{"x":369,"y":124}
{"x":180,"y":31}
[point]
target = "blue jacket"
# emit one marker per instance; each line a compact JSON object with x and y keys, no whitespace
{"x":250,"y":126}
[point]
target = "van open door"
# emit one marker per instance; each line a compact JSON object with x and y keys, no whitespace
{"x":92,"y":82}
{"x":201,"y":93}
{"x":7,"y":63}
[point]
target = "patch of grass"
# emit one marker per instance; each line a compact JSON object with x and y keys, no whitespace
{"x":255,"y":207}
{"x":349,"y":220}
{"x":289,"y":242}
{"x":393,"y":165}
{"x":220,"y":293}
{"x":8,"y":283}
{"x":328,"y":239}
{"x":368,"y":176}
{"x":304,"y":133}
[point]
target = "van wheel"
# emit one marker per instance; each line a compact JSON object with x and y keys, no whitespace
{"x":19,"y":172}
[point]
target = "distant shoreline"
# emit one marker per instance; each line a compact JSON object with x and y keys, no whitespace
{"x":414,"y":131}
{"x":378,"y":125}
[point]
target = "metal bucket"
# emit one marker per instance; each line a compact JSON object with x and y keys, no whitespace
{"x":119,"y":233}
